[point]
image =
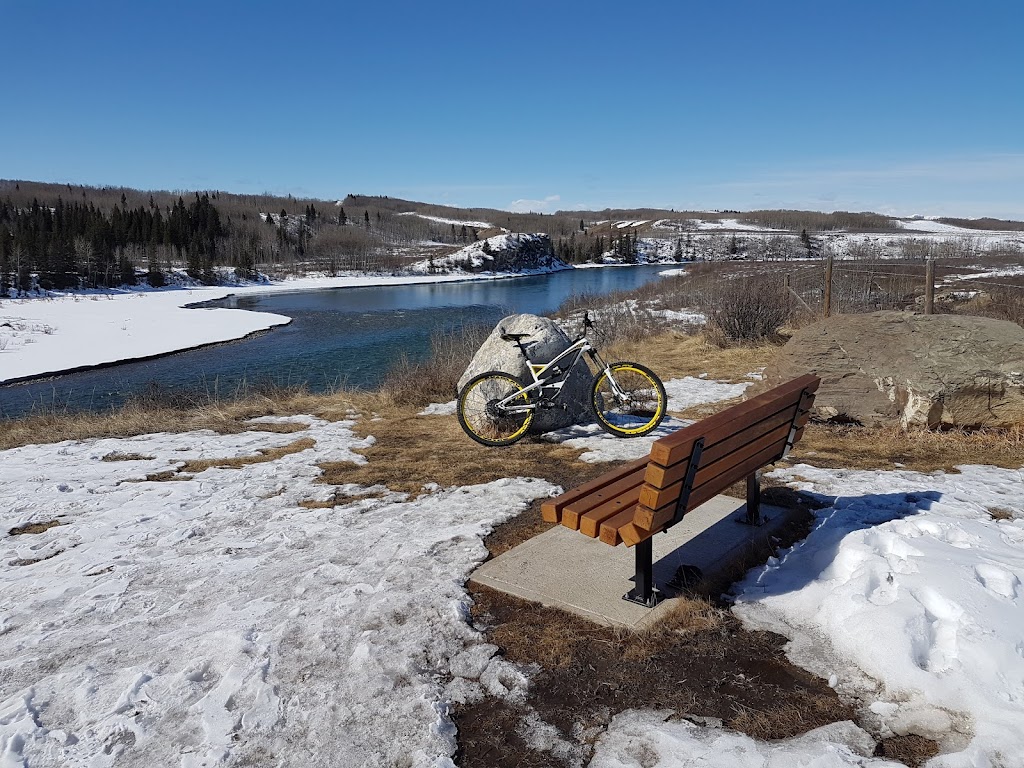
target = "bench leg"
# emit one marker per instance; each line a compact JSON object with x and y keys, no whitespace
{"x":643,"y":591}
{"x":753,"y":500}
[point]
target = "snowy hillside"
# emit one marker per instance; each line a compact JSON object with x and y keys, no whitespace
{"x":512,"y":252}
{"x":456,"y":222}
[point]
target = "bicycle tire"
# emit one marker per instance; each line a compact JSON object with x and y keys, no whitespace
{"x":476,"y":414}
{"x":641,"y":413}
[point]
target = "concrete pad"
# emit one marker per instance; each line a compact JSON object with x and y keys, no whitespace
{"x":564,"y":569}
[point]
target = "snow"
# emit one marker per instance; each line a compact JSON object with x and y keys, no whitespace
{"x":637,"y":738}
{"x":732,"y":225}
{"x":61,"y":332}
{"x":928,"y":225}
{"x":212,"y":620}
{"x":440,"y":220}
{"x":1002,"y":272}
{"x":907,"y":595}
{"x":672,"y":272}
{"x":439,"y":409}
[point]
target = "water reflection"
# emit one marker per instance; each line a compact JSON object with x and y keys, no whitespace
{"x":345,"y":336}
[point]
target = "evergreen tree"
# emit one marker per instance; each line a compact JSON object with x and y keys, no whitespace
{"x":6,"y":265}
{"x":366,"y":219}
{"x":342,"y":218}
{"x":678,"y":253}
{"x":127,"y":271}
{"x":808,"y":244}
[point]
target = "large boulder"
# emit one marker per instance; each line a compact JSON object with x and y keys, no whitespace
{"x":546,"y":340}
{"x":923,"y":370}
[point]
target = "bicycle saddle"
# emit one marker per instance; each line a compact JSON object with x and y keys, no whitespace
{"x":514,"y":336}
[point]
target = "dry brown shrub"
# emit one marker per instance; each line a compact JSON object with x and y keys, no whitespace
{"x":911,"y":749}
{"x":747,"y":311}
{"x":412,"y":383}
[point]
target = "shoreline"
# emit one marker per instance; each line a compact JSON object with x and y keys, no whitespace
{"x":84,"y":327}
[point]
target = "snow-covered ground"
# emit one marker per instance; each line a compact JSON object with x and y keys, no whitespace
{"x":66,"y":331}
{"x":457,"y":222}
{"x":907,"y":595}
{"x":213,"y":621}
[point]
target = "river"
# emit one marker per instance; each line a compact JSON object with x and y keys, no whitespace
{"x":337,"y":337}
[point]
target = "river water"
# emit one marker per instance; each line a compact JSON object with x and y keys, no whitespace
{"x":346,"y":336}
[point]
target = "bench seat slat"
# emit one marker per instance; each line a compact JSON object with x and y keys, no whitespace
{"x":674,"y":448}
{"x":572,"y":513}
{"x":591,"y":522}
{"x":610,"y":528}
{"x":551,"y":509}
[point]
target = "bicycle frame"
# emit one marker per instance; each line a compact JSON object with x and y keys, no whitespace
{"x":558,"y":377}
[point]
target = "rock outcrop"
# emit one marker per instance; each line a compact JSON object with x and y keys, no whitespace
{"x":511,"y":252}
{"x":923,"y":370}
{"x":545,"y":341}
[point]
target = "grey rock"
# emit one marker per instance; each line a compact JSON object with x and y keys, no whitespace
{"x":922,"y":370}
{"x":546,"y":340}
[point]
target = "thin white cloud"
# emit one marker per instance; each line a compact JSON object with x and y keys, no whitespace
{"x":547,"y":205}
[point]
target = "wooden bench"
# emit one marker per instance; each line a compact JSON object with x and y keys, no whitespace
{"x":685,"y":469}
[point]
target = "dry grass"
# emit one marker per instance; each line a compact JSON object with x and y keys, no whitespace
{"x":699,"y":662}
{"x":852,"y":447}
{"x":912,"y":750}
{"x":21,"y":530}
{"x":118,"y":456}
{"x":338,"y":498}
{"x":411,"y":451}
{"x":263,"y":455}
{"x":673,"y":355}
{"x":223,"y":417}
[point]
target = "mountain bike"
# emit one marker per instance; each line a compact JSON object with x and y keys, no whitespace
{"x":495,"y":408}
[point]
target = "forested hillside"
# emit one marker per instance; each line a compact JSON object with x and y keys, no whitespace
{"x":57,"y":236}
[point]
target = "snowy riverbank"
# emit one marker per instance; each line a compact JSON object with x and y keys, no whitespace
{"x":62,"y":332}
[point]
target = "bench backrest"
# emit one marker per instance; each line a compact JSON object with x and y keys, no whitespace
{"x":694,"y":464}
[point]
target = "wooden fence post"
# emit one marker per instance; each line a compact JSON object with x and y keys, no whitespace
{"x":828,"y":287}
{"x":929,"y":286}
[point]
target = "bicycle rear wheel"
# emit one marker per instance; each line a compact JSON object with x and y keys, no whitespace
{"x":639,"y":405}
{"x":480,"y":415}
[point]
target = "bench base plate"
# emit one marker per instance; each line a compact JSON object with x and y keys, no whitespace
{"x":564,"y":569}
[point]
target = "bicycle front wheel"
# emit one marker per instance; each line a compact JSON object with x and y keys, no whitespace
{"x":481,"y":416}
{"x":629,"y":400}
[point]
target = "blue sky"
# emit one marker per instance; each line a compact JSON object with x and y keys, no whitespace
{"x":900,"y":107}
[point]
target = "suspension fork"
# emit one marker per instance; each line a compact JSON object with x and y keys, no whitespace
{"x":607,"y":370}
